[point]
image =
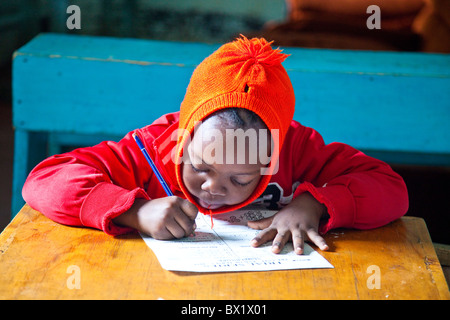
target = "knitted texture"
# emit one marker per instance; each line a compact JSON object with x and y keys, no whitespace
{"x":246,"y":74}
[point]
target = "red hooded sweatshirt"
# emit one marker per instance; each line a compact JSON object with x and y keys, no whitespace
{"x":91,"y":186}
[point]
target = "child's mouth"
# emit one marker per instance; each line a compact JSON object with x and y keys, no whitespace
{"x":208,"y":205}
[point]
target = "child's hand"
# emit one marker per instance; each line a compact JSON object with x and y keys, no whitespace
{"x":163,"y":218}
{"x":298,"y":220}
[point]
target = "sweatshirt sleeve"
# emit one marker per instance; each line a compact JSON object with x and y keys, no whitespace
{"x":89,"y":186}
{"x":359,"y":191}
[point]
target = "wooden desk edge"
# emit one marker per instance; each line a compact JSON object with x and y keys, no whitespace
{"x":27,"y":215}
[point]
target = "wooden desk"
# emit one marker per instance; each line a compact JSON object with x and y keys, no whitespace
{"x":36,"y":255}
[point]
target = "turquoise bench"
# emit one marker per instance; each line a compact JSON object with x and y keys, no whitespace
{"x":79,"y":90}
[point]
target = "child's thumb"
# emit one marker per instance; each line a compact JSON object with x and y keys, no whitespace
{"x":260,"y":224}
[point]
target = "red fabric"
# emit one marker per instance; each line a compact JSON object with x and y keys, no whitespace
{"x":246,"y":74}
{"x":91,"y":186}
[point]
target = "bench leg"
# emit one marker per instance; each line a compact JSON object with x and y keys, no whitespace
{"x":20,"y":168}
{"x":29,"y":149}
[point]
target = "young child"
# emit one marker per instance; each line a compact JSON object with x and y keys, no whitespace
{"x":240,"y":88}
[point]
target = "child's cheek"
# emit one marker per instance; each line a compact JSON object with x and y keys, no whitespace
{"x":191,"y":181}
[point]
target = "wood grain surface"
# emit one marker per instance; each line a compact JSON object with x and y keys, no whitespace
{"x":39,"y":259}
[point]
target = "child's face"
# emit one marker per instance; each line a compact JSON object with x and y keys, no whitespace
{"x":207,"y":174}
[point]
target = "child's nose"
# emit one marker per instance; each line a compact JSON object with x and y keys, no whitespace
{"x":214,"y":187}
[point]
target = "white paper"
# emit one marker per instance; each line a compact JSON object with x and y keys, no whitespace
{"x":226,"y":247}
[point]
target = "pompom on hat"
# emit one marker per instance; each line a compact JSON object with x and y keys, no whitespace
{"x":245,"y":74}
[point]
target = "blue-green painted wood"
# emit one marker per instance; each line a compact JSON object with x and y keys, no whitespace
{"x":96,"y":97}
{"x":20,"y":168}
{"x":29,"y":148}
{"x":395,"y":105}
{"x":391,"y":113}
{"x":121,"y":85}
{"x":95,"y":85}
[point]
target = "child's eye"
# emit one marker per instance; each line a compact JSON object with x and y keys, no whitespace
{"x":197,"y":170}
{"x":242,"y":184}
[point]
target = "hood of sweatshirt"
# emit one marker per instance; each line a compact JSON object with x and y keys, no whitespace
{"x":245,"y":74}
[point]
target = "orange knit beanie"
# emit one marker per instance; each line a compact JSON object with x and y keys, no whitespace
{"x":245,"y":74}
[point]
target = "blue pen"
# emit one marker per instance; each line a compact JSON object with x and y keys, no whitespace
{"x":152,"y":165}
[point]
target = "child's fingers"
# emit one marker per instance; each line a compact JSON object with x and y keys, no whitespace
{"x":260,"y":224}
{"x":263,"y":237}
{"x":298,"y":241}
{"x":175,"y":229}
{"x":169,"y":230}
{"x":189,"y":209}
{"x":280,"y":240}
{"x":184,"y":222}
{"x":314,"y":236}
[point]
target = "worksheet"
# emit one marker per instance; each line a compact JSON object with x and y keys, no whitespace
{"x":223,"y":245}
